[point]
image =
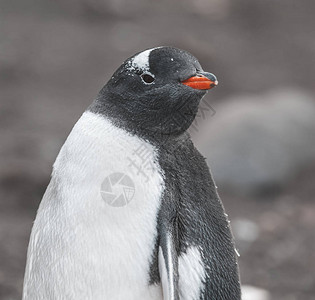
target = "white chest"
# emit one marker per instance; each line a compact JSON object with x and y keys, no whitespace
{"x":96,"y":226}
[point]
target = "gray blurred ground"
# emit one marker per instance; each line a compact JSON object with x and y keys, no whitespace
{"x":56,"y":55}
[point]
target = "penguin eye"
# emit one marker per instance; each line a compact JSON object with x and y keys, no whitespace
{"x":147,"y":78}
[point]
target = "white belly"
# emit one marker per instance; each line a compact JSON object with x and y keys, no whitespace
{"x":84,"y":244}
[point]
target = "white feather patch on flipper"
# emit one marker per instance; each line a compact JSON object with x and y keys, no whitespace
{"x":191,"y":274}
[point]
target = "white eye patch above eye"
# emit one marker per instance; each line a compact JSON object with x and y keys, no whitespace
{"x":141,"y":61}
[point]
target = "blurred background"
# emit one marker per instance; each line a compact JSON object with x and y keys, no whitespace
{"x":56,"y":55}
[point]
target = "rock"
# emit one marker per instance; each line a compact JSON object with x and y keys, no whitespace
{"x":259,"y":142}
{"x":246,"y":232}
{"x":253,"y":293}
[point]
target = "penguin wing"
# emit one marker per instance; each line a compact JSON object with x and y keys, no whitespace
{"x":168,"y":264}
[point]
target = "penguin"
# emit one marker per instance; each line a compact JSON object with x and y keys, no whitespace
{"x":132,"y":211}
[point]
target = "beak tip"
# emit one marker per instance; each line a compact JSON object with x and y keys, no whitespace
{"x":214,"y":84}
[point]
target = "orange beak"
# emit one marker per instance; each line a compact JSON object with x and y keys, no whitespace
{"x":200,"y":82}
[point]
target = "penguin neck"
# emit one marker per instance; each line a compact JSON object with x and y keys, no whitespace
{"x":138,"y":124}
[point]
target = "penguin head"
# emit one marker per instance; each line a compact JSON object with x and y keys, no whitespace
{"x":156,"y":91}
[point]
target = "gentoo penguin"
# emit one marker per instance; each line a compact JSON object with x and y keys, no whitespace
{"x":131,"y":211}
